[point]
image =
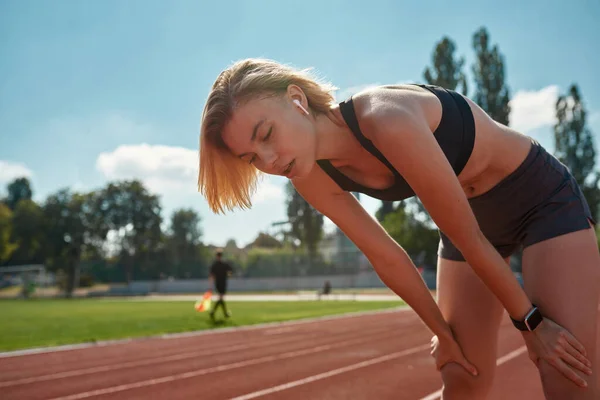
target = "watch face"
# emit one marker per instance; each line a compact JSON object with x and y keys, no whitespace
{"x":534,"y":319}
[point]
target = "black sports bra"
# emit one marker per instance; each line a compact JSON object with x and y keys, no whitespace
{"x":455,"y":134}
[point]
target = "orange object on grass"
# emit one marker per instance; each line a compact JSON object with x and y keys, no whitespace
{"x":204,"y":303}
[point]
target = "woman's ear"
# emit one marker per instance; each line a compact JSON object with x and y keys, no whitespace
{"x":296,"y":94}
{"x":300,"y":106}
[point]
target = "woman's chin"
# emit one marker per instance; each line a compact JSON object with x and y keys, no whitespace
{"x":300,"y":172}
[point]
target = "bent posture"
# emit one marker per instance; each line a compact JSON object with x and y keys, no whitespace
{"x":488,"y":188}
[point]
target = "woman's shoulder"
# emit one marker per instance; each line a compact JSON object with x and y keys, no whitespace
{"x":381,"y":107}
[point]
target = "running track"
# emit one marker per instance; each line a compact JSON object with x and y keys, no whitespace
{"x":383,"y":355}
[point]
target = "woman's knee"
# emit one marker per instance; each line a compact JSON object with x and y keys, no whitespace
{"x":557,"y":386}
{"x":459,"y":384}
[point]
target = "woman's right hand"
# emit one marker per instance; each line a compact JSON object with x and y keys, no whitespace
{"x":448,"y":351}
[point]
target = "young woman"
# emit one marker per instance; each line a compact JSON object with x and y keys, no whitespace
{"x":488,"y":188}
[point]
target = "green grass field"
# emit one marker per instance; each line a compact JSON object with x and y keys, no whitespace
{"x":13,"y":291}
{"x":36,"y":323}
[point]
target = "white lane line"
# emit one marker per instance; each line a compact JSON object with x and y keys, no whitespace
{"x":513,"y":354}
{"x":433,"y":396}
{"x":220,"y":368}
{"x":178,"y":357}
{"x":331,"y":373}
{"x":278,"y":331}
{"x":53,"y":349}
{"x":162,"y":359}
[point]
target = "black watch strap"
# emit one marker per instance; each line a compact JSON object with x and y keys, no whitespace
{"x":531,"y":320}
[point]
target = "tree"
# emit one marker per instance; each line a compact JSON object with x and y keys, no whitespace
{"x":574,"y":144}
{"x":66,"y":216}
{"x":7,"y":246}
{"x":446,"y":70}
{"x":184,"y":243}
{"x":185,"y":227}
{"x":387,"y":207}
{"x":19,"y":189}
{"x":306,"y":222}
{"x":133,"y":215}
{"x":27,"y":224}
{"x":231,"y":246}
{"x":491,"y":92}
{"x":97,"y":225}
{"x":266,"y":241}
{"x":419,"y":241}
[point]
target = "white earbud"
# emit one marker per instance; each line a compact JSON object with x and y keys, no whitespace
{"x":297,"y":102}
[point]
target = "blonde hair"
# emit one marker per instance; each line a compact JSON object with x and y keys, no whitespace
{"x":224,"y":179}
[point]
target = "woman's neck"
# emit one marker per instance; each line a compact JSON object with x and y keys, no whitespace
{"x":335,"y":141}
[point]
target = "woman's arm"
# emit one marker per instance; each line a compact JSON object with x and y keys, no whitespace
{"x":405,"y":139}
{"x":389,"y":260}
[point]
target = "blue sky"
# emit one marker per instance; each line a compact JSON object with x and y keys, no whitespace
{"x":93,"y":91}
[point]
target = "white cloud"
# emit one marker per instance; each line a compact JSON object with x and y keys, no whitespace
{"x":11,"y":170}
{"x":170,"y":170}
{"x":532,"y":110}
{"x":270,"y":188}
{"x":162,"y":168}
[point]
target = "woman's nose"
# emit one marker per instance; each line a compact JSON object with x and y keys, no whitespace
{"x":269,"y":158}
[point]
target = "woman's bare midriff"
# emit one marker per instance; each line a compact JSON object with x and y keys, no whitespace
{"x":498,"y":151}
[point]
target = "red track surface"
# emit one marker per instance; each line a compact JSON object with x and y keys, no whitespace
{"x":373,"y":356}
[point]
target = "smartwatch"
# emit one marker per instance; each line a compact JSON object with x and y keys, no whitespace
{"x":531,"y":320}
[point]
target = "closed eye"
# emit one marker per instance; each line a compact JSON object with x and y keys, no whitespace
{"x":268,"y":134}
{"x":264,"y":139}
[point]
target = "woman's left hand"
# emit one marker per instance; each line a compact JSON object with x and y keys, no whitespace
{"x":556,"y":346}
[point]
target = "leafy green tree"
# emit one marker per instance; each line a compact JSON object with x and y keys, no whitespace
{"x":66,"y":231}
{"x":27,"y":233}
{"x":7,"y":246}
{"x":417,"y":239}
{"x":306,"y":222}
{"x":387,"y":207}
{"x":447,"y":69}
{"x":184,"y":244}
{"x":19,"y":189}
{"x":266,"y":241}
{"x":574,"y":144}
{"x":133,"y":216}
{"x":491,"y":91}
